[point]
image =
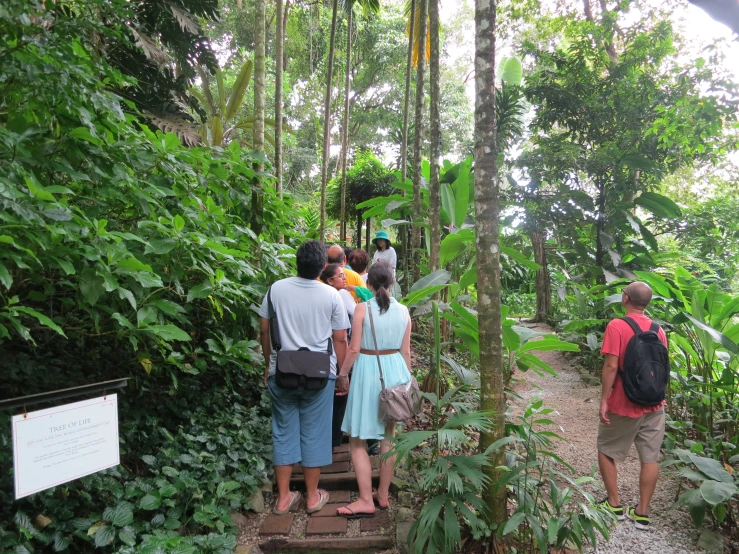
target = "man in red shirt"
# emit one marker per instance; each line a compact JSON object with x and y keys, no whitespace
{"x":623,"y":423}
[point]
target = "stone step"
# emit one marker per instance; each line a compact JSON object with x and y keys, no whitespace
{"x":348,"y":545}
{"x":334,"y":481}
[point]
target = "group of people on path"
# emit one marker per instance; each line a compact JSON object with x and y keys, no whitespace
{"x":324,"y":310}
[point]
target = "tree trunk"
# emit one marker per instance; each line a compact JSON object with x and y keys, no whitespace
{"x":434,"y":186}
{"x":487,"y":209}
{"x":284,"y":34}
{"x":279,"y":47}
{"x":327,"y":118}
{"x":358,"y":236}
{"x":367,"y":235}
{"x":260,"y":16}
{"x":404,"y":144}
{"x":543,"y":285}
{"x":599,"y":226}
{"x":418,"y":140}
{"x":345,"y":131}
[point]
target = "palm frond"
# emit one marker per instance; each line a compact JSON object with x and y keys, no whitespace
{"x":185,"y":19}
{"x":152,"y":50}
{"x":239,"y":90}
{"x":185,"y":130}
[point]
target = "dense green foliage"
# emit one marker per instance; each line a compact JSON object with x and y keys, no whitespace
{"x":127,"y":255}
{"x":126,"y":251}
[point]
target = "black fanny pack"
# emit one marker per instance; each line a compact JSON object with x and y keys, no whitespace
{"x":302,"y":369}
{"x":298,"y":369}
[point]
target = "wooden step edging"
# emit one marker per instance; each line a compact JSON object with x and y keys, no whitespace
{"x":363,"y":544}
{"x":334,"y":481}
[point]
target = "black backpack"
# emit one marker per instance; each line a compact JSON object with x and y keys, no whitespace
{"x":646,"y":366}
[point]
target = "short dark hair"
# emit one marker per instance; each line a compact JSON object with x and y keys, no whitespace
{"x":331,"y":270}
{"x":348,"y":251}
{"x":359,"y":260}
{"x":310,"y":259}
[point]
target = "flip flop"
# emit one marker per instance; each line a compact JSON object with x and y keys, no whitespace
{"x":294,"y":500}
{"x":377,"y":502}
{"x":318,"y":507}
{"x":355,"y":515}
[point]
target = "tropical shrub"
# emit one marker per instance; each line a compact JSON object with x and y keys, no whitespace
{"x":125,"y":254}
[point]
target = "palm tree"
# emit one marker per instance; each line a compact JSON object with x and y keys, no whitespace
{"x":488,"y":252}
{"x":435,"y":154}
{"x":327,"y":118}
{"x":418,"y":140}
{"x":260,"y":17}
{"x":404,"y":143}
{"x":279,"y":46}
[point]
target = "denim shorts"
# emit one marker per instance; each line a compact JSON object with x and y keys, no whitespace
{"x":301,"y":425}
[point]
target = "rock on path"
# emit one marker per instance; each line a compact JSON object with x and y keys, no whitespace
{"x":576,"y":408}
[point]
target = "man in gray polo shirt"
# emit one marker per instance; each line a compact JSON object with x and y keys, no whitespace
{"x":309,"y":314}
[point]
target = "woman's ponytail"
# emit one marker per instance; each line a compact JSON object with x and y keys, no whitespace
{"x":380,"y":278}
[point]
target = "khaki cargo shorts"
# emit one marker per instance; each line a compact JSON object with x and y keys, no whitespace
{"x":645,"y":432}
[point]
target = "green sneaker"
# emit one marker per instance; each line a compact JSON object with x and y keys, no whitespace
{"x":640,"y":522}
{"x":617,"y":511}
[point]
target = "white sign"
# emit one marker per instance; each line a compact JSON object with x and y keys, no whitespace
{"x":53,"y":446}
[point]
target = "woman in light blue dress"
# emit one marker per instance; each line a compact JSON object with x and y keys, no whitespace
{"x":361,"y":421}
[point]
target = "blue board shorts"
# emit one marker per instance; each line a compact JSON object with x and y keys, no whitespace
{"x":301,"y":425}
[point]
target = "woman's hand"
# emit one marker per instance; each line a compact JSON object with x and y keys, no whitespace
{"x":342,"y":385}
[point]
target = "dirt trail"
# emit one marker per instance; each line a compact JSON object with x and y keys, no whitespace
{"x":576,"y":412}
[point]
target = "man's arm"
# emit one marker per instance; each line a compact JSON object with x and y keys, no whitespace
{"x":339,"y":337}
{"x":608,"y":377}
{"x":266,"y":345}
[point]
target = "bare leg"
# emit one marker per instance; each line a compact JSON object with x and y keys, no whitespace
{"x":647,"y":484}
{"x":363,"y":469}
{"x":387,"y":467}
{"x":609,"y":473}
{"x":312,"y":475}
{"x":283,"y":474}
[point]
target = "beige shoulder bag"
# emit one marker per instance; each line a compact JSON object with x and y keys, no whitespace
{"x":397,"y":403}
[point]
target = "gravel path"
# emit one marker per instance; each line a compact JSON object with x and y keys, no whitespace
{"x":576,"y":411}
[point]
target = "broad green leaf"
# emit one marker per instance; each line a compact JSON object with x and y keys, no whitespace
{"x":416,"y":296}
{"x":104,"y":536}
{"x":122,"y":514}
{"x":514,"y":521}
{"x":91,"y":286}
{"x":717,"y":336}
{"x":168,"y":332}
{"x":716,"y":492}
{"x":66,"y":266}
{"x":448,"y":203}
{"x":440,"y":277}
{"x":5,"y":278}
{"x":659,"y":205}
{"x":44,"y":320}
{"x":468,"y":279}
{"x":202,"y":290}
{"x":511,"y":71}
{"x":150,"y":501}
{"x":711,"y":468}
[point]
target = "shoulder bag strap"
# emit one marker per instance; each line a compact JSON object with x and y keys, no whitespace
{"x":274,"y":327}
{"x":374,"y":339}
{"x":632,"y":324}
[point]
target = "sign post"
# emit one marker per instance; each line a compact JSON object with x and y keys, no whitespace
{"x":60,"y":444}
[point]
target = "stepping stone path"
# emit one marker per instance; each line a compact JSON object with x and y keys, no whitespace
{"x":324,"y":531}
